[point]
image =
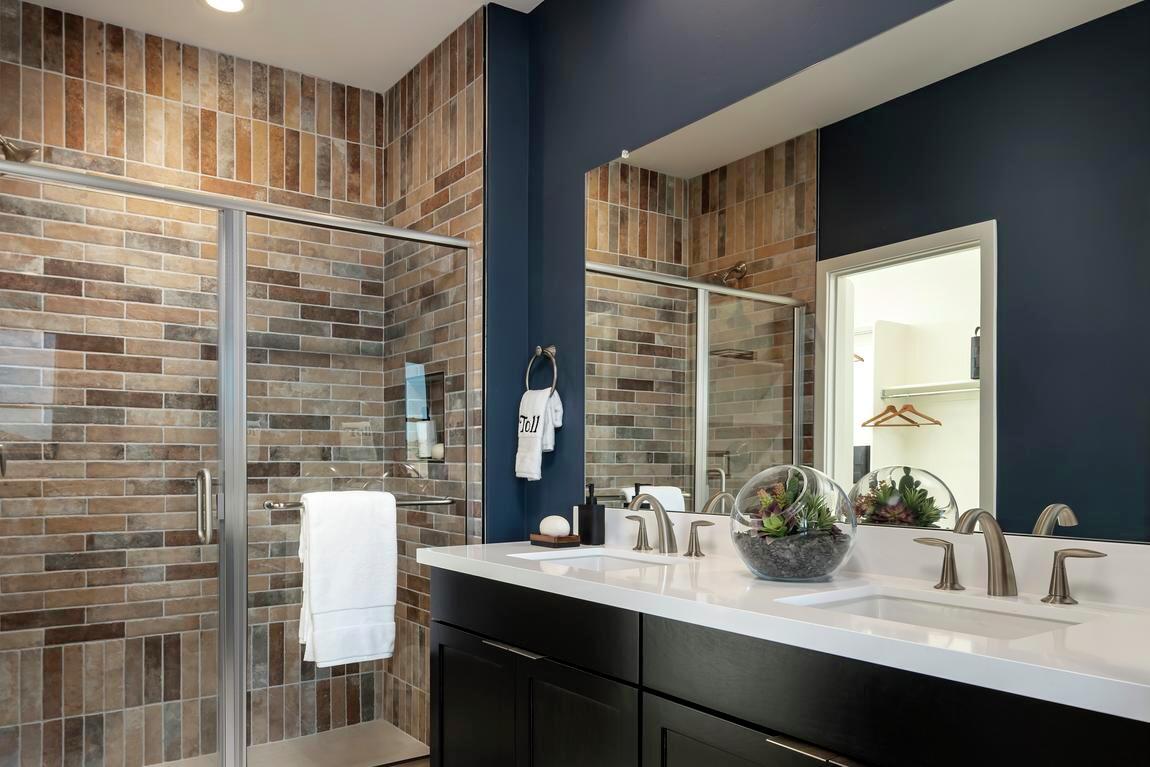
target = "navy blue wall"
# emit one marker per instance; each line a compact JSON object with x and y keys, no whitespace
{"x":505,"y":295}
{"x":1053,"y":141}
{"x":614,"y":74}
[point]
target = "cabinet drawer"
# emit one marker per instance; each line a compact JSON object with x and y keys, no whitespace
{"x":862,"y":709}
{"x":675,"y":735}
{"x":587,"y":635}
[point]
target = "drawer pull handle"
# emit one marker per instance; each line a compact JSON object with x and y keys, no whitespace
{"x":792,"y":746}
{"x":510,"y":649}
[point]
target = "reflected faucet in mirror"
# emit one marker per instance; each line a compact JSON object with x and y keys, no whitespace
{"x":1054,"y":514}
{"x":1000,"y":581}
{"x":665,"y":543}
{"x":718,"y":499}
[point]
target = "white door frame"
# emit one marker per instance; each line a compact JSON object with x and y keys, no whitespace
{"x":984,"y":236}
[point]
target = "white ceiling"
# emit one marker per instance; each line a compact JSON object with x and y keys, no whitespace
{"x":947,"y":40}
{"x":367,"y":43}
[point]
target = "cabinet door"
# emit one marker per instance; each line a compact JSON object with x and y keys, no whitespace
{"x":473,"y":689}
{"x":571,"y":718}
{"x":679,"y":736}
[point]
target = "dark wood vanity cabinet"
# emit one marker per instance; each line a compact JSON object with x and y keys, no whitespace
{"x":572,"y":718}
{"x":523,"y":677}
{"x":507,"y":706}
{"x":475,"y":690}
{"x":675,"y":735}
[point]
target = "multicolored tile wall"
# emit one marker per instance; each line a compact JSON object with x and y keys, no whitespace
{"x":640,"y":336}
{"x":107,"y":323}
{"x":760,"y":210}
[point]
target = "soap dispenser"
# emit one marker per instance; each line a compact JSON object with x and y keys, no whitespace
{"x":592,"y":522}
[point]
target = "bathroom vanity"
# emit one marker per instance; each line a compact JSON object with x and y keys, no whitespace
{"x":598,"y":656}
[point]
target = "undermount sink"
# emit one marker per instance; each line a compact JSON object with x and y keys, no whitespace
{"x":967,"y":614}
{"x":597,"y":560}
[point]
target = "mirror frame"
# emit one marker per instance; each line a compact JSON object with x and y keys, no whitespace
{"x":984,"y":236}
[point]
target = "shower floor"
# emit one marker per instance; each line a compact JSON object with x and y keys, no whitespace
{"x":362,"y":745}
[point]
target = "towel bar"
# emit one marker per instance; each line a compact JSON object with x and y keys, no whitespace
{"x":281,"y":505}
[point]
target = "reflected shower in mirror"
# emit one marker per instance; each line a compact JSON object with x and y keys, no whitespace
{"x":690,"y":377}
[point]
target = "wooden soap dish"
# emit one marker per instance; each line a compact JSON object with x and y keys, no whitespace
{"x":554,"y":541}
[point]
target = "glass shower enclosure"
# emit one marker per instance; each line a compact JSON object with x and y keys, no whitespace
{"x":689,"y":384}
{"x":176,"y":368}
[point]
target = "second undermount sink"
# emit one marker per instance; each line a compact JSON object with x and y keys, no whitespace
{"x":965,"y":614}
{"x":597,"y":560}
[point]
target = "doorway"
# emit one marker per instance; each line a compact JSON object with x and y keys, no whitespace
{"x":905,"y":362}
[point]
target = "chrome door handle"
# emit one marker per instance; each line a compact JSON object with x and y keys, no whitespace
{"x":204,"y":505}
{"x":510,"y":649}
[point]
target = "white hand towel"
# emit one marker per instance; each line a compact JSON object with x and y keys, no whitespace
{"x":349,"y":556}
{"x":553,"y":421}
{"x":532,"y":413}
{"x":671,"y":497}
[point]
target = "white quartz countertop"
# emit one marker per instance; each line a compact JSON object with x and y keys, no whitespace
{"x":1100,"y":659}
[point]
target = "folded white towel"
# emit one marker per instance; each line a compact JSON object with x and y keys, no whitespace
{"x":671,"y":497}
{"x":532,"y":414}
{"x":553,"y":420}
{"x":348,"y":551}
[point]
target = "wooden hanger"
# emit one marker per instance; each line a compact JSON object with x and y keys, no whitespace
{"x":891,"y":413}
{"x":930,"y":421}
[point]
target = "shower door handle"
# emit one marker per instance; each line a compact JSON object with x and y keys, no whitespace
{"x":204,"y":505}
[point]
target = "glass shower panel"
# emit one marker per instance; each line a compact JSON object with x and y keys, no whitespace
{"x":640,"y":385}
{"x":750,"y":398}
{"x":108,"y":411}
{"x":356,"y":380}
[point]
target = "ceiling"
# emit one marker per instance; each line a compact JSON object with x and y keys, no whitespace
{"x":366,"y":43}
{"x":945,"y":41}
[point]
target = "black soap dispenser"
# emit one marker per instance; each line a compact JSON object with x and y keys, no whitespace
{"x":592,"y":520}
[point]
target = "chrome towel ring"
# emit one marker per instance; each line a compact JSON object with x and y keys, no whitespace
{"x":550,"y":353}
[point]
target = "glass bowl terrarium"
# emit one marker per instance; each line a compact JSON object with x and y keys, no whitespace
{"x":904,"y":496}
{"x":792,"y":523}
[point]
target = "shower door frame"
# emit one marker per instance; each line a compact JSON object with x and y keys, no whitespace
{"x":703,"y":292}
{"x":231,"y":263}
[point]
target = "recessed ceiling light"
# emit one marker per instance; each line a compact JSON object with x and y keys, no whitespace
{"x":227,"y":6}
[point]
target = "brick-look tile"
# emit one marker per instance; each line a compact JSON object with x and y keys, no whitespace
{"x":134,"y":97}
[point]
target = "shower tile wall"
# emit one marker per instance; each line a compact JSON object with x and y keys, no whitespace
{"x":640,"y":403}
{"x":100,"y":97}
{"x":108,"y":374}
{"x":761,"y":210}
{"x":334,"y":318}
{"x":640,"y":337}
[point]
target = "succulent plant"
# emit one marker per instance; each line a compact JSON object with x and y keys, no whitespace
{"x":786,"y":509}
{"x":906,"y":503}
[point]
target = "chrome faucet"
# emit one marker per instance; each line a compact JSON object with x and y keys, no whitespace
{"x":1000,"y":581}
{"x":1055,"y":513}
{"x":663,"y":525}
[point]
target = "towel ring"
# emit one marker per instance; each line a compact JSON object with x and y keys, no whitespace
{"x":549,"y":352}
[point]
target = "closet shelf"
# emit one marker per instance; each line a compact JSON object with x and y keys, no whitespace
{"x":967,"y":387}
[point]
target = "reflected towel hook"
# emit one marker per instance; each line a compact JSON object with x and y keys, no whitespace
{"x":550,"y":353}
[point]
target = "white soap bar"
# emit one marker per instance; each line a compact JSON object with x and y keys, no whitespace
{"x":555,"y":525}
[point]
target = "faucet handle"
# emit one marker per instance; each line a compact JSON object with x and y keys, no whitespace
{"x":693,"y":548}
{"x":641,"y":543}
{"x":948,"y":580}
{"x":1059,"y":583}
